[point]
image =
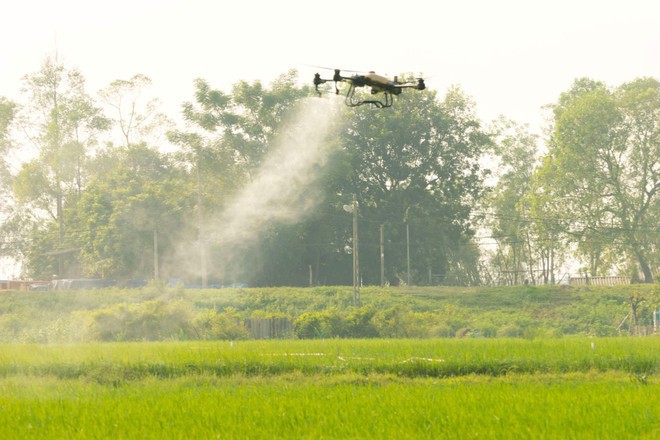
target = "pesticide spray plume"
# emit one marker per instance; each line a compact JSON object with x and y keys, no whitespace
{"x":282,"y":191}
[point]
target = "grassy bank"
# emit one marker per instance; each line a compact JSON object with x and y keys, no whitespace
{"x":158,"y":313}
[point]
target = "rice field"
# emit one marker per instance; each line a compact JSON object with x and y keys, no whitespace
{"x":445,"y":388}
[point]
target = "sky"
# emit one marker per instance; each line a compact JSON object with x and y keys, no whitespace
{"x":511,"y":56}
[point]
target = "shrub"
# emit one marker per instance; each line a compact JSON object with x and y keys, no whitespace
{"x":509,"y":331}
{"x":209,"y":324}
{"x":396,"y":322}
{"x":310,"y":325}
{"x":358,"y":323}
{"x":147,"y":321}
{"x":332,"y":323}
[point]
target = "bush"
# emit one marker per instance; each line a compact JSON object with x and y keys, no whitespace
{"x":358,"y":324}
{"x":333,"y":324}
{"x":396,"y":322}
{"x":509,"y":331}
{"x":148,"y":321}
{"x":211,"y":325}
{"x":314,"y":325}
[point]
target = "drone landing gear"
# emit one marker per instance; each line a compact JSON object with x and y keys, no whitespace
{"x":352,"y":101}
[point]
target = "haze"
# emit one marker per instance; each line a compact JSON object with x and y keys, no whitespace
{"x":511,"y":56}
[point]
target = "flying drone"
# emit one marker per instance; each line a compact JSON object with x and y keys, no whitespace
{"x":377,"y":84}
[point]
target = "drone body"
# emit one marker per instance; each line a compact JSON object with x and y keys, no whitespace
{"x":376,"y":83}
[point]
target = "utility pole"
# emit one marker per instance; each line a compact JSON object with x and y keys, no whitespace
{"x":156,"y":274}
{"x":408,"y":249}
{"x":356,"y":259}
{"x":382,"y":255}
{"x":200,"y":220}
{"x":311,"y":276}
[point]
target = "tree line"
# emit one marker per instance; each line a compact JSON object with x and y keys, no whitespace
{"x":108,"y":187}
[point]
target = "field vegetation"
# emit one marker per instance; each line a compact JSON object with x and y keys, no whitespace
{"x":525,"y":363}
{"x":381,"y":388}
{"x":160,"y":313}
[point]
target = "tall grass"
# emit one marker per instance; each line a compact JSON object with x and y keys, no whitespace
{"x":410,"y":358}
{"x":451,"y":389}
{"x":348,"y":406}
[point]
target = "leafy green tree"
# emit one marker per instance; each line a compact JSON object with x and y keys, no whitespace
{"x":230,"y":135}
{"x":603,"y":167}
{"x":528,"y":237}
{"x":7,"y":113}
{"x":416,"y":170}
{"x":63,"y":122}
{"x":515,"y":148}
{"x":247,"y":119}
{"x":141,"y":197}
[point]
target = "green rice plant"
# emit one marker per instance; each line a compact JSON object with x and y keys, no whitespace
{"x":405,"y":358}
{"x":347,"y":406}
{"x":332,"y":388}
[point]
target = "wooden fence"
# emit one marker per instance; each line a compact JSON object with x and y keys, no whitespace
{"x":598,"y":281}
{"x":269,"y":328}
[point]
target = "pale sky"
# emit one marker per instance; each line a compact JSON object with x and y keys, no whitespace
{"x":511,"y":56}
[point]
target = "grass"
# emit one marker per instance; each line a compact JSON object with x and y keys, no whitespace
{"x":453,"y":389}
{"x":571,"y":386}
{"x":158,"y":313}
{"x":348,"y":406}
{"x":410,"y":358}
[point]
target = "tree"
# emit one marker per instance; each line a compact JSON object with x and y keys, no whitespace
{"x":603,"y":165}
{"x":416,"y":170}
{"x":63,"y":123}
{"x":9,"y":226}
{"x":7,"y":113}
{"x":132,"y":218}
{"x":136,"y":119}
{"x":246,"y":120}
{"x":516,"y":149}
{"x":225,"y":147}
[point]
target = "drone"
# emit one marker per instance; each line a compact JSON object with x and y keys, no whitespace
{"x":377,"y":84}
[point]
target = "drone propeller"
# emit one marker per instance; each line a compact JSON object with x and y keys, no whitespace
{"x":334,"y":68}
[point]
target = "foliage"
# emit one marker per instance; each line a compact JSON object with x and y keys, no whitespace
{"x":147,"y":321}
{"x":140,"y":195}
{"x":84,"y":207}
{"x":7,"y":114}
{"x":351,"y":389}
{"x":212,"y":325}
{"x":64,"y":123}
{"x":322,"y":313}
{"x":603,"y":167}
{"x":136,"y":120}
{"x":520,"y":241}
{"x":416,"y":169}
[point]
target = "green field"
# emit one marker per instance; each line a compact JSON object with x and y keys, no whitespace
{"x":381,"y":388}
{"x":526,"y":362}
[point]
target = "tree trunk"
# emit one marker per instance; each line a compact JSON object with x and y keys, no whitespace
{"x":646,"y":269}
{"x":60,"y":241}
{"x":552,"y":264}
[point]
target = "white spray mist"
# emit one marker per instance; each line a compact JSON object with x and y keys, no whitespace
{"x":282,"y":190}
